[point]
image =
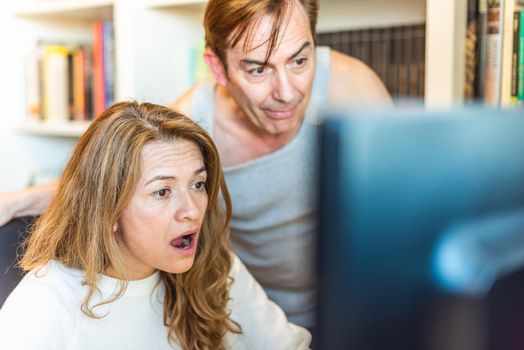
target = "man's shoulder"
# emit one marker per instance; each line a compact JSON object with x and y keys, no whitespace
{"x":353,"y":82}
{"x":184,"y":103}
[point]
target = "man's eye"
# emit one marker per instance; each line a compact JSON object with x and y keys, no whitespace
{"x":300,"y":61}
{"x":257,"y":71}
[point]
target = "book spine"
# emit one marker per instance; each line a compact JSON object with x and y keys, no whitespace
{"x":520,"y":91}
{"x":70,"y":86}
{"x":482,"y":45}
{"x":99,"y":94}
{"x":88,"y":79}
{"x":109,"y":59}
{"x":56,"y":83}
{"x":471,"y":58}
{"x":79,"y":85}
{"x":515,"y":57}
{"x":493,"y":62}
{"x":33,"y":88}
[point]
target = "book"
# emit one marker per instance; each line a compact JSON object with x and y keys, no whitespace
{"x":515,"y":58}
{"x":109,"y":62}
{"x":55,"y":76}
{"x":79,"y":84}
{"x":99,"y":86}
{"x":492,"y":64}
{"x":520,"y":77}
{"x":510,"y":7}
{"x":471,"y":76}
{"x":482,"y":32}
{"x":33,"y":83}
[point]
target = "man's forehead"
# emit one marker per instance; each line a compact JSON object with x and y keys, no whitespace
{"x":293,"y":32}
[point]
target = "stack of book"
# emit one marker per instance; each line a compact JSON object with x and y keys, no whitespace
{"x":72,"y":82}
{"x":396,"y":54}
{"x":495,"y":52}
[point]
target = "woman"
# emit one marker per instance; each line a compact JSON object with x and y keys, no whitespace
{"x":133,"y":252}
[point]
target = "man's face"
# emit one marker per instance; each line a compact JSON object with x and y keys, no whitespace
{"x":274,"y":96}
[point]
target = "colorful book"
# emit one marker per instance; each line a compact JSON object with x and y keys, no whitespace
{"x":515,"y":58}
{"x":510,"y":7}
{"x":471,"y":58}
{"x":109,"y":64}
{"x":33,"y":83}
{"x":55,"y":83}
{"x":99,"y":90}
{"x":79,"y":84}
{"x":482,"y":35}
{"x":520,"y":89}
{"x":492,"y":67}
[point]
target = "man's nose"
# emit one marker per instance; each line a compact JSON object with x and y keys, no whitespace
{"x":187,"y":208}
{"x":283,"y":90}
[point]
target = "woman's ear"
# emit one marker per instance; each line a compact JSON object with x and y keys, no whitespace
{"x":115,"y":227}
{"x":216,"y":66}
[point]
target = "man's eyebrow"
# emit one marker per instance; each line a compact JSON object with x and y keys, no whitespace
{"x":304,"y":45}
{"x":166,"y":177}
{"x":249,"y":61}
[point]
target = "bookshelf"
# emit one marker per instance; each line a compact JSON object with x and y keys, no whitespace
{"x":155,"y":50}
{"x":78,"y":9}
{"x":445,"y":41}
{"x":149,"y":69}
{"x":70,"y":129}
{"x":65,"y":22}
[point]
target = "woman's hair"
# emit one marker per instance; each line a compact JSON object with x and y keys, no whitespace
{"x":226,"y":22}
{"x":98,"y":183}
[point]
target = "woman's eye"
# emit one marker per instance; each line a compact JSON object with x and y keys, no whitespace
{"x":162,"y":193}
{"x":200,"y":185}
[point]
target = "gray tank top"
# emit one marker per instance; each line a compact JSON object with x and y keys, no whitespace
{"x":273,"y":227}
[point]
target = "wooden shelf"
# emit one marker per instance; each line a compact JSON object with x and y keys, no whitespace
{"x":55,"y":129}
{"x":79,"y":9}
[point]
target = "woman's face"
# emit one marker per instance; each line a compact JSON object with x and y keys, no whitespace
{"x":159,"y":228}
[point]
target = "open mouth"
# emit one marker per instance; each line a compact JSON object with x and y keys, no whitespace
{"x":185,"y":242}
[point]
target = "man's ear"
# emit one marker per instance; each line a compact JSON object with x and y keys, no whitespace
{"x":216,"y":66}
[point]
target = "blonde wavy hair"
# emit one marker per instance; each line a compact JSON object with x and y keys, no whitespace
{"x":96,"y":186}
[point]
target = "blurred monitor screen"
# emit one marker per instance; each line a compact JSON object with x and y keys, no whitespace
{"x":421,"y":231}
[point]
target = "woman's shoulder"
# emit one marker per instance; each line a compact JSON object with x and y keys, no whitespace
{"x":43,"y":303}
{"x":237,"y":267}
{"x":56,"y":278}
{"x":52,"y":284}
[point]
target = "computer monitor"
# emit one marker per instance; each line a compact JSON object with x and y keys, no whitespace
{"x":420,"y":214}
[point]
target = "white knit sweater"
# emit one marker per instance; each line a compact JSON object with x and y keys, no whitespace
{"x":43,"y":312}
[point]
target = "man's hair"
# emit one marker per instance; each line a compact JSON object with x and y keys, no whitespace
{"x":97,"y":185}
{"x":226,"y":22}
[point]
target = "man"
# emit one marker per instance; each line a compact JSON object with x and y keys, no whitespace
{"x":270,"y":86}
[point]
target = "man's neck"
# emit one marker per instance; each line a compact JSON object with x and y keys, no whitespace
{"x":238,"y":140}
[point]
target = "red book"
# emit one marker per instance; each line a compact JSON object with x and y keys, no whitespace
{"x":99,"y":93}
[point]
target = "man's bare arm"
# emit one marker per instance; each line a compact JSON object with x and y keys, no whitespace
{"x":183,"y":103}
{"x":31,"y":201}
{"x":354,"y":84}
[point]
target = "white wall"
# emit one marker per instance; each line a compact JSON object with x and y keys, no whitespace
{"x":20,"y":155}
